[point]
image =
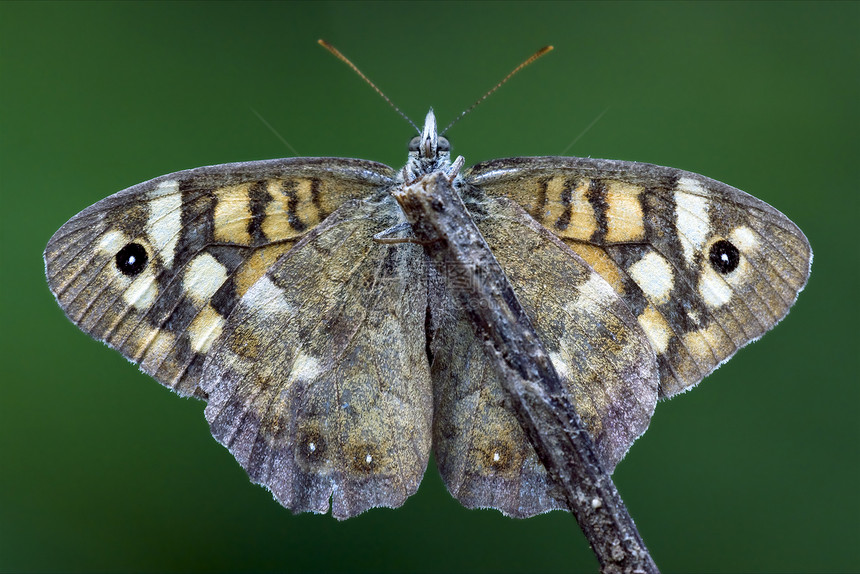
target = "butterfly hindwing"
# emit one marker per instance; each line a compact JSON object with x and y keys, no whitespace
{"x":320,"y":384}
{"x":155,"y":270}
{"x":705,"y":268}
{"x":592,"y":339}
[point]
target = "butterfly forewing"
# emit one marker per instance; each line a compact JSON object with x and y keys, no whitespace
{"x":705,"y":268}
{"x":155,"y":270}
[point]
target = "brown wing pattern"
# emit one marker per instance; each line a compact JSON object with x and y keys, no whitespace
{"x":320,"y":384}
{"x":593,"y":340}
{"x":155,"y":270}
{"x":704,"y":267}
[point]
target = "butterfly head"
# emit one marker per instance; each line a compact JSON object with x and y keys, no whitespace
{"x":429,"y":151}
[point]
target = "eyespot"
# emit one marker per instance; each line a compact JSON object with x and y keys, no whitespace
{"x":443,"y":144}
{"x":131,"y":259}
{"x":724,"y":256}
{"x":414,"y":143}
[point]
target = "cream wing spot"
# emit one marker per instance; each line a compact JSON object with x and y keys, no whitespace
{"x":305,"y":367}
{"x":624,"y":217}
{"x":203,"y":277}
{"x":111,"y":242}
{"x":655,"y":277}
{"x":594,"y":295}
{"x":265,"y":297}
{"x":165,"y":220}
{"x":703,"y":343}
{"x":692,"y":216}
{"x":714,"y":289}
{"x":232,"y":214}
{"x":205,"y":329}
{"x":744,"y":238}
{"x":143,"y":290}
{"x":656,"y":329}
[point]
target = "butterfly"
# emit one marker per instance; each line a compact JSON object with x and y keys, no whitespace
{"x":333,"y":356}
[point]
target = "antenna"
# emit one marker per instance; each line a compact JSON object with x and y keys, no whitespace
{"x":543,"y":51}
{"x":355,"y":69}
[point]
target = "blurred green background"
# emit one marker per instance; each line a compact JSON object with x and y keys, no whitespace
{"x":102,"y":469}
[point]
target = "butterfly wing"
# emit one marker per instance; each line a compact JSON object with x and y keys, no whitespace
{"x":320,"y":384}
{"x":705,"y":268}
{"x":154,"y":271}
{"x":591,"y":337}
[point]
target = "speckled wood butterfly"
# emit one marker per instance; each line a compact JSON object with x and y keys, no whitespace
{"x":332,"y":356}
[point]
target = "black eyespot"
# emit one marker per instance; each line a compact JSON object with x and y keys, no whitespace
{"x":724,"y":256}
{"x":131,"y":259}
{"x":414,"y":142}
{"x":443,"y":144}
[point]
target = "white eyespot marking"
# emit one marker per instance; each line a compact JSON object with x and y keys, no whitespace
{"x":656,"y":329}
{"x":143,"y":290}
{"x":714,"y":289}
{"x":165,"y":220}
{"x":111,"y":242}
{"x":496,"y":457}
{"x":203,"y":277}
{"x":654,"y":275}
{"x":691,"y":216}
{"x":204,"y":329}
{"x":744,"y":239}
{"x":596,"y":503}
{"x":266,"y":298}
{"x":312,"y":446}
{"x":368,"y":459}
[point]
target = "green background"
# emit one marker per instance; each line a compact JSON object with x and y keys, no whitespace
{"x":103,"y":469}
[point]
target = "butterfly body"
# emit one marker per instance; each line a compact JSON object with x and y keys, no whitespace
{"x":332,"y":361}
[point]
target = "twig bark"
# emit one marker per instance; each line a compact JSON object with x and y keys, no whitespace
{"x":441,"y":222}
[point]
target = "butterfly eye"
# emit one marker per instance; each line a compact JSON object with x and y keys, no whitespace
{"x":724,"y":256}
{"x":413,"y":143}
{"x":131,"y":259}
{"x":443,"y":144}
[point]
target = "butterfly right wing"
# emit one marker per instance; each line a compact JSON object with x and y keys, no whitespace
{"x":154,"y":271}
{"x":598,"y":350}
{"x":704,"y":267}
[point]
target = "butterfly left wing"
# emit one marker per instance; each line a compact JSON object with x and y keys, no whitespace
{"x":704,"y":267}
{"x":319,"y":384}
{"x":155,"y":270}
